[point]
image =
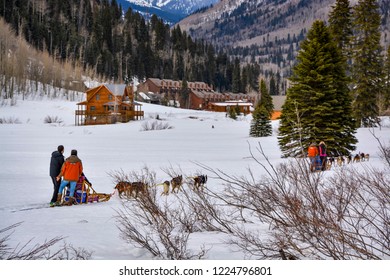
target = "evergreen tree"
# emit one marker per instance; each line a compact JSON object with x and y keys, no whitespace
{"x":232,"y":113}
{"x":318,"y":104}
{"x":367,"y":63}
{"x":265,"y":99}
{"x":184,"y":94}
{"x":272,"y":85}
{"x":387,"y":81}
{"x":340,"y":25}
{"x":236,"y":79}
{"x":261,"y":122}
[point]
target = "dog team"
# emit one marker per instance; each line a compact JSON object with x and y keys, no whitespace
{"x":319,"y":160}
{"x":132,"y":189}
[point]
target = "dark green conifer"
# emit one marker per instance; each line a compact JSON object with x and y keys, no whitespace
{"x":340,"y":25}
{"x":387,"y":81}
{"x":260,"y":124}
{"x":236,"y":81}
{"x":261,"y":116}
{"x":265,"y":98}
{"x":318,"y":103}
{"x":367,"y":70}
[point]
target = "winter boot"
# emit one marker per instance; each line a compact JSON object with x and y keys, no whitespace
{"x":59,"y":198}
{"x":70,"y":201}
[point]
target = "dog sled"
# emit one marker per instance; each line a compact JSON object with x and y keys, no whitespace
{"x":85,"y":193}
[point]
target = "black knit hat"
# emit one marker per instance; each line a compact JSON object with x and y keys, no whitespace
{"x":73,"y":153}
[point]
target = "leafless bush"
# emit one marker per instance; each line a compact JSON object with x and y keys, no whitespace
{"x":158,"y":226}
{"x":155,"y":125}
{"x":10,"y":120}
{"x":383,"y":148}
{"x":53,"y":120}
{"x":208,"y":215}
{"x":310,"y":215}
{"x":43,"y":251}
{"x":289,"y":213}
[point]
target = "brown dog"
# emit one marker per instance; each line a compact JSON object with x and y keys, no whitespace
{"x":340,"y":160}
{"x":123,"y":187}
{"x":176,"y":183}
{"x":130,"y":189}
{"x":356,"y":158}
{"x":200,"y":181}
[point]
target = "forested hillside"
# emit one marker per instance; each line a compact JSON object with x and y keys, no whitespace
{"x":268,"y":32}
{"x":103,"y":40}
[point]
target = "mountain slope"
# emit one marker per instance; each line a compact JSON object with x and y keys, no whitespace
{"x":170,"y":11}
{"x":268,"y":31}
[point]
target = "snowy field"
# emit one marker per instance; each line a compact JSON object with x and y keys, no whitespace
{"x":207,"y":138}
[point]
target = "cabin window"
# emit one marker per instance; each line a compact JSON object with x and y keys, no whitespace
{"x":109,"y":97}
{"x":93,"y":108}
{"x":97,"y":96}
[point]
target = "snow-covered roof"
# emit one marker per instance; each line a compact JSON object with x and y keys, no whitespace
{"x":144,"y":96}
{"x":230,"y":103}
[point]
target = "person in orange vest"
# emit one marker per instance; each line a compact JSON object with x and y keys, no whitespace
{"x":71,"y":171}
{"x":312,"y":153}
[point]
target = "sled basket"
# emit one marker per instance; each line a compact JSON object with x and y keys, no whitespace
{"x":85,"y":193}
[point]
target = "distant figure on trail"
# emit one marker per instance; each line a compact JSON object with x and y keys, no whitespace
{"x":56,"y":162}
{"x":71,"y":171}
{"x":323,"y":156}
{"x":312,"y":153}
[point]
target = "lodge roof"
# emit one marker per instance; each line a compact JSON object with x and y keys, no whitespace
{"x":116,"y":89}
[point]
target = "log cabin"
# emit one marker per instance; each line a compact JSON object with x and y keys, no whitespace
{"x":243,"y":106}
{"x":108,"y":104}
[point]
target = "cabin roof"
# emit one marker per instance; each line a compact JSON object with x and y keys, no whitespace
{"x":116,"y":89}
{"x":230,"y":103}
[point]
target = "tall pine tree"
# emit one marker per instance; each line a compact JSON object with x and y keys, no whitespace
{"x":318,"y":103}
{"x":367,"y":71}
{"x":236,"y":79}
{"x":387,"y":81}
{"x":340,"y":25}
{"x":265,"y":98}
{"x":261,"y":122}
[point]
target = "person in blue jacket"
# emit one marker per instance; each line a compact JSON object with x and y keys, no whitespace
{"x":56,"y":162}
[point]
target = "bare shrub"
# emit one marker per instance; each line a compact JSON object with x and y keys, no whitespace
{"x":157,"y":226}
{"x":155,"y":125}
{"x":43,"y":251}
{"x":288,"y":213}
{"x":10,"y":120}
{"x":53,"y":120}
{"x":310,"y":215}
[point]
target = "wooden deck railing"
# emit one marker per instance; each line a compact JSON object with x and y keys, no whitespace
{"x":83,"y":117}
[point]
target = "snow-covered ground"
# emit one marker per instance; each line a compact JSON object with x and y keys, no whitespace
{"x":208,"y":138}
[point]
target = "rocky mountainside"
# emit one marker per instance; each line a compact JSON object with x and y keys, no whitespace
{"x":266,"y":31}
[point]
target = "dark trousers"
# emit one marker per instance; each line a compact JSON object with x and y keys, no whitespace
{"x":56,"y":185}
{"x":323,"y":162}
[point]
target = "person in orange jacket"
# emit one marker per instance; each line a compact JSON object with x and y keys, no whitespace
{"x":312,"y":152}
{"x":71,"y":171}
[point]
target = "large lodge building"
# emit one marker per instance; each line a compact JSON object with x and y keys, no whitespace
{"x":198,"y":96}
